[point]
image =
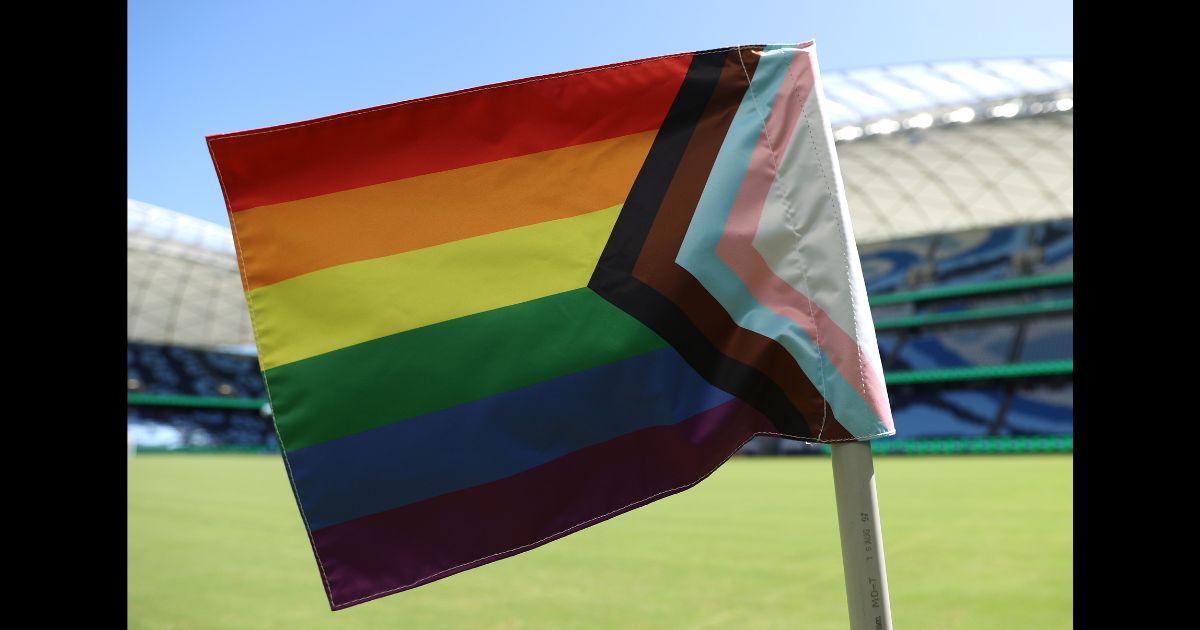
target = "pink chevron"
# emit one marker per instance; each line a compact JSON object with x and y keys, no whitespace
{"x":736,"y":247}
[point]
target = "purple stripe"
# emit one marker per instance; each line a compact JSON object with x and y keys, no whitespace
{"x":416,"y":544}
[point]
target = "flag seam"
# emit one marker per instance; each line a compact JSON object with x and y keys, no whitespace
{"x":804,"y":270}
{"x":845,"y":234}
{"x":266,"y":381}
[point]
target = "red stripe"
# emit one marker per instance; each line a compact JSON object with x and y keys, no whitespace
{"x":437,"y":133}
{"x":399,"y":549}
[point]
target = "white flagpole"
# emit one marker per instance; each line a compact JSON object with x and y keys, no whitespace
{"x":862,"y":539}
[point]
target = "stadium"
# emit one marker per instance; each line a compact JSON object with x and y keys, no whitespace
{"x":959,"y":182}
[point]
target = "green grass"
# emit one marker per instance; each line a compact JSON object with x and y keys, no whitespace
{"x":216,"y":541}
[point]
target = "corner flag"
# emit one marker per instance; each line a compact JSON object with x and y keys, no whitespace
{"x":490,"y":318}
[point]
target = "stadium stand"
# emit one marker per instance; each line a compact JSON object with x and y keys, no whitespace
{"x":986,"y":358}
{"x":195,"y":398}
{"x":173,"y":428}
{"x":958,"y":177}
{"x":179,"y":370}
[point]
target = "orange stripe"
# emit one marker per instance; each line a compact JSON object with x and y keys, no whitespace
{"x":285,"y":240}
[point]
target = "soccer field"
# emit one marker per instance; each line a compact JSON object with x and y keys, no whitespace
{"x":216,"y":541}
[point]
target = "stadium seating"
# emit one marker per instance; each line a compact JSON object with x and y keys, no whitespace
{"x":912,"y":285}
{"x":178,"y":370}
{"x":968,"y":257}
{"x":172,"y":428}
{"x":187,"y":372}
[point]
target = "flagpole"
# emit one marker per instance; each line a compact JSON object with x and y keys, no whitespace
{"x":862,"y":539}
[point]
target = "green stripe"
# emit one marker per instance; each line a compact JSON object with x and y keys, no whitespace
{"x":1016,"y":310}
{"x":999,"y":286}
{"x":981,"y":372}
{"x":420,"y":371}
{"x":978,"y":444}
{"x":183,"y":400}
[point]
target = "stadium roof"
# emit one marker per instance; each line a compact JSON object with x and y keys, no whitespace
{"x":183,"y":284}
{"x":924,"y":148}
{"x":943,"y":147}
{"x":857,"y":97}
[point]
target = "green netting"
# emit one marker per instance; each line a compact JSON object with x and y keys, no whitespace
{"x":183,"y":400}
{"x":998,"y":286}
{"x":1018,"y":310}
{"x":970,"y":445}
{"x":981,"y":372}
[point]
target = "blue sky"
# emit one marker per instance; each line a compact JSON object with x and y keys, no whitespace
{"x":198,"y":68}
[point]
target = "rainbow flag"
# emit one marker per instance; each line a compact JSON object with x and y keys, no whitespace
{"x":490,"y":318}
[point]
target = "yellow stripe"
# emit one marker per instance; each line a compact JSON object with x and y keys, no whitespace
{"x":356,"y":302}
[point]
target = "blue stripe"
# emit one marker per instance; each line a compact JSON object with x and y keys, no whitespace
{"x":496,"y":437}
{"x":698,"y":252}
